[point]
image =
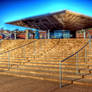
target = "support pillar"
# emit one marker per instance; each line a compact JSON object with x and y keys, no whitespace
{"x":48,"y":34}
{"x":89,"y":36}
{"x":84,"y":33}
{"x":27,"y":32}
{"x":15,"y":35}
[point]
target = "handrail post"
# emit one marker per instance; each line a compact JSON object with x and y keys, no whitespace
{"x":40,"y":44}
{"x":34,"y":49}
{"x":77,"y":70}
{"x":60,"y":74}
{"x":15,"y":35}
{"x":85,"y":55}
{"x":8,"y":60}
{"x":23,"y":52}
{"x":89,"y":43}
{"x":89,"y":40}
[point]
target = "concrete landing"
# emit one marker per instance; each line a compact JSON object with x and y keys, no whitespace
{"x":16,"y":84}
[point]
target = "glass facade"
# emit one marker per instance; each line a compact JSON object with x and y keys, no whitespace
{"x":66,"y":34}
{"x":56,"y":34}
{"x":60,"y":34}
{"x":36,"y":35}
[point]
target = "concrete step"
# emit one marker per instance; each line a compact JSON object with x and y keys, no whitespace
{"x":89,"y":59}
{"x":86,"y":82}
{"x":74,"y":75}
{"x":86,"y":71}
{"x":38,"y":58}
{"x":43,"y":77}
{"x":46,"y":64}
{"x":88,"y":76}
{"x":70,"y":79}
{"x":3,"y":68}
{"x":51,"y":72}
{"x":90,"y":67}
{"x":47,"y":67}
{"x":19,"y":74}
{"x":4,"y":65}
{"x":89,"y":55}
{"x":74,"y":66}
{"x":89,"y":62}
{"x":53,"y":68}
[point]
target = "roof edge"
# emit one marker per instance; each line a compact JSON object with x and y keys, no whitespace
{"x":48,"y":14}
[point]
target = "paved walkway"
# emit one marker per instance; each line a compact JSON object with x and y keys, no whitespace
{"x":16,"y":84}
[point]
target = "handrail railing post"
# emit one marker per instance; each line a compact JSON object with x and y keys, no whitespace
{"x":85,"y":55}
{"x":89,"y":43}
{"x":34,"y":48}
{"x":77,"y":70}
{"x":23,"y":52}
{"x":60,"y":74}
{"x":8,"y":60}
{"x":89,"y":40}
{"x":40,"y":44}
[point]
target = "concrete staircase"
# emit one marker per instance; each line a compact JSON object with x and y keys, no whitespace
{"x":45,"y":65}
{"x":7,"y":45}
{"x":87,"y":79}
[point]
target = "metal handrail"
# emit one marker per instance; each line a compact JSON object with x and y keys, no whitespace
{"x":17,"y":47}
{"x":75,"y":52}
{"x":60,"y":62}
{"x":24,"y":46}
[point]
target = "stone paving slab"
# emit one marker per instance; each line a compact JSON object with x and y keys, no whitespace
{"x":17,"y":84}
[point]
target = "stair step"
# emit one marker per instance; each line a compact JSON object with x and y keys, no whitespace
{"x":6,"y":63}
{"x":47,"y":71}
{"x":46,"y":67}
{"x":71,"y":78}
{"x":88,"y":76}
{"x":86,"y":82}
{"x":55,"y":72}
{"x":44,"y":77}
{"x":57,"y":63}
{"x":33,"y":75}
{"x":55,"y":67}
{"x":90,"y":67}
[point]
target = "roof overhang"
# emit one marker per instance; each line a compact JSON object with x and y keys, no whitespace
{"x":65,"y":20}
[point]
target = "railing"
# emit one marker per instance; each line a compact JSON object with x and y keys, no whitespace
{"x":24,"y":62}
{"x":77,"y":61}
{"x":12,"y":56}
{"x":17,"y":47}
{"x":28,"y":62}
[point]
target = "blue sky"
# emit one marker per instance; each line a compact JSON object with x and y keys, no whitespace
{"x":11,"y":10}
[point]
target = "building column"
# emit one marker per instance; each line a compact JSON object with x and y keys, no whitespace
{"x":84,"y":33}
{"x":27,"y":32}
{"x":89,"y":36}
{"x":48,"y":34}
{"x":15,"y":35}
